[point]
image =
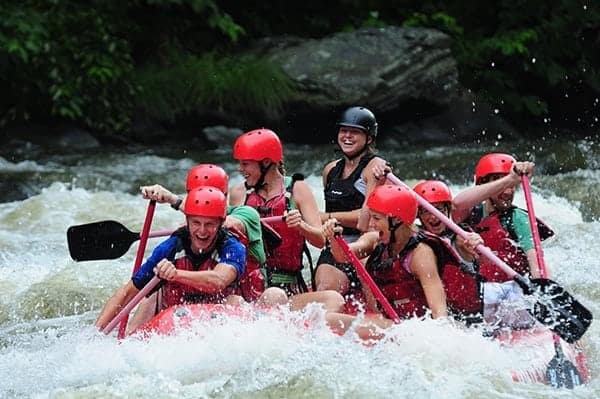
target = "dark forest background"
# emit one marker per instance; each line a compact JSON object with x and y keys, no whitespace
{"x":103,"y":64}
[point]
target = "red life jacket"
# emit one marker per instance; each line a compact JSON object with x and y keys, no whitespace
{"x":252,"y":282}
{"x":177,"y":293}
{"x":404,"y":291}
{"x":502,"y":242}
{"x":504,"y":246}
{"x":287,"y":257}
{"x":399,"y":286}
{"x":462,"y":283}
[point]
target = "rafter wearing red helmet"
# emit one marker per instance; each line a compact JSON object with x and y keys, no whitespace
{"x":488,"y":208}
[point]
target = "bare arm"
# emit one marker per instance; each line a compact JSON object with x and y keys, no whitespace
{"x":234,"y":223}
{"x":237,"y":195}
{"x":114,"y":305}
{"x":464,"y":201}
{"x":423,"y":264}
{"x":310,"y":223}
{"x":160,"y":194}
{"x":373,"y":175}
{"x":362,"y":247}
{"x":466,"y":248}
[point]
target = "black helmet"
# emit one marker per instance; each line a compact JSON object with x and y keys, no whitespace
{"x":361,"y":118}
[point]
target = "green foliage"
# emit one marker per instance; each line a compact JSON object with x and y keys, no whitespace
{"x":235,"y":85}
{"x":56,"y":72}
{"x":522,"y":56}
{"x":95,"y":62}
{"x":74,"y":61}
{"x":438,"y":20}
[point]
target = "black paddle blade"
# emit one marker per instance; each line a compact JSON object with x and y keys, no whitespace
{"x":271,"y":237}
{"x":561,"y":372}
{"x":559,"y":310}
{"x":99,"y":240}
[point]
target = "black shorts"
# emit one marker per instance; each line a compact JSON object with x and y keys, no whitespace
{"x":347,"y":268}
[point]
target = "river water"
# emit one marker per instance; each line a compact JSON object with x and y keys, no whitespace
{"x":48,"y":302}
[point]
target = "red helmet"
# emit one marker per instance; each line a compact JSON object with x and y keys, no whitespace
{"x":207,"y":175}
{"x":257,"y":145}
{"x":394,"y":201}
{"x":434,"y":191}
{"x":206,"y":201}
{"x":492,"y":164}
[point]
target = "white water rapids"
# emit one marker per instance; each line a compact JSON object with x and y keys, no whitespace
{"x":48,"y":302}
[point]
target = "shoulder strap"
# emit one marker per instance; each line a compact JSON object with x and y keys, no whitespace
{"x":335,"y":171}
{"x":444,"y":252}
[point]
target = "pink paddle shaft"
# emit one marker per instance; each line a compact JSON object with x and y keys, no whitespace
{"x":366,"y":277}
{"x":139,"y":257}
{"x":537,"y":242}
{"x":482,"y":249}
{"x":124,"y":313}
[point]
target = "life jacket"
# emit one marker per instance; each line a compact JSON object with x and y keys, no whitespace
{"x":284,"y":261}
{"x":503,"y":242}
{"x":174,"y":293}
{"x":252,"y":282}
{"x":404,"y":291}
{"x":462,"y":281}
{"x":399,"y":286}
{"x":288,"y":255}
{"x":340,"y":194}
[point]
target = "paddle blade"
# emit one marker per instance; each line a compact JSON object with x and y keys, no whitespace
{"x":271,"y":237}
{"x":559,"y":310}
{"x":561,"y":372}
{"x":99,"y":240}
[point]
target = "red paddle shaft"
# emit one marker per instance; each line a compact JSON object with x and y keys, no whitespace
{"x":366,"y":277}
{"x":139,"y":257}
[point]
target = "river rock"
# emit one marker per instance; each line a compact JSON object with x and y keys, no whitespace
{"x":381,"y":68}
{"x":406,"y":76}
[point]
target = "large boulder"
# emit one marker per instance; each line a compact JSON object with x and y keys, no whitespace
{"x":379,"y":67}
{"x":406,"y":76}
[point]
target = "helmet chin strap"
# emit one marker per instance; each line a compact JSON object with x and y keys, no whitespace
{"x":392,"y":227}
{"x":261,"y":180}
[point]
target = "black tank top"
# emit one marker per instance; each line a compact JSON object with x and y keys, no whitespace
{"x":340,"y":194}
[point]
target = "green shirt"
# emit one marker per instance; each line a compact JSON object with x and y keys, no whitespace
{"x":521,"y":228}
{"x":251,"y":219}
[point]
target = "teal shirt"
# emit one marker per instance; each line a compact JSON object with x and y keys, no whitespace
{"x":520,"y":225}
{"x":251,"y":219}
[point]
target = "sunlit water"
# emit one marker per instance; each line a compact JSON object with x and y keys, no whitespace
{"x":48,"y":302}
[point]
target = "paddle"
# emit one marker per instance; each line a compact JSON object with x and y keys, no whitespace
{"x":103,"y":240}
{"x":560,"y":371}
{"x":366,"y":277}
{"x":554,"y":306}
{"x":124,"y":313}
{"x":109,"y":239}
{"x":139,"y":257}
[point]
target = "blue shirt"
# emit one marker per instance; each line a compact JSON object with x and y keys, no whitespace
{"x":230,"y":252}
